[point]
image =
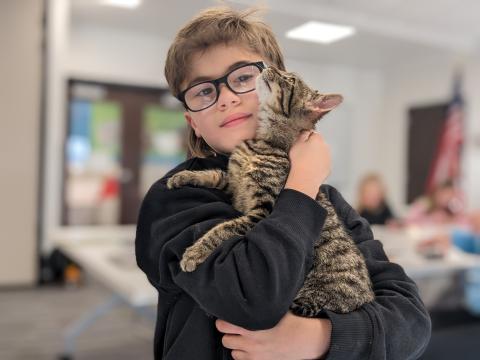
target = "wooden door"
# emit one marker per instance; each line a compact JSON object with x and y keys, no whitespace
{"x":110,"y":118}
{"x":425,"y":126}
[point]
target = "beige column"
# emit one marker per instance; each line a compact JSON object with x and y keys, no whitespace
{"x":20,"y":88}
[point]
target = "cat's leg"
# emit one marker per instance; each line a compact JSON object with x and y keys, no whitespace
{"x":338,"y":281}
{"x":214,"y":178}
{"x":203,"y":247}
{"x":310,"y":300}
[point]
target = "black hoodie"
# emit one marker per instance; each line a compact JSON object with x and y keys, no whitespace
{"x":251,"y":281}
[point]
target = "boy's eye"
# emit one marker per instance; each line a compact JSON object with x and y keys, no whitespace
{"x":204,"y":92}
{"x":243,"y":78}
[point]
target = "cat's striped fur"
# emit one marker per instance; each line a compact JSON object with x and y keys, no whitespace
{"x":257,"y":172}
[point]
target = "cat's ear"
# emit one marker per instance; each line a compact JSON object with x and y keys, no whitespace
{"x":323,"y":103}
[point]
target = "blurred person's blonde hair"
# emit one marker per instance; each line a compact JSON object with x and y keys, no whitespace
{"x":367,"y":179}
{"x":215,"y":26}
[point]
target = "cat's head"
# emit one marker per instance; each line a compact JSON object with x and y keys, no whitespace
{"x":287,"y":103}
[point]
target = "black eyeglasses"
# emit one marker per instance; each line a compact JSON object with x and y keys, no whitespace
{"x":240,"y":80}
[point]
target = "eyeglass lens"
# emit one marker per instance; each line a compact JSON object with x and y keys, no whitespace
{"x":240,"y":81}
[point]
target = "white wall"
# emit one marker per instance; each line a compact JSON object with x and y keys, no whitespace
{"x":350,"y":129}
{"x":472,"y":147}
{"x":120,"y":56}
{"x":20,"y":73}
{"x":115,"y":55}
{"x":367,"y":133}
{"x":424,"y":83}
{"x":57,"y":38}
{"x":89,"y":53}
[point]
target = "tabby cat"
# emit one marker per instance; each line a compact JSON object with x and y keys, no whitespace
{"x":257,"y":172}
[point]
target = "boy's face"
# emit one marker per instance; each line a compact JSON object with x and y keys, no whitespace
{"x":214,"y":124}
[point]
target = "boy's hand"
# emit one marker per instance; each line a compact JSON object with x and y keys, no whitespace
{"x":310,"y":163}
{"x":292,"y":338}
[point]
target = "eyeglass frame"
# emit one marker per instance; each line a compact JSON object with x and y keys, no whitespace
{"x":221,"y":80}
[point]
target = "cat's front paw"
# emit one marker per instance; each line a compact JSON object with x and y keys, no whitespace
{"x":179,"y":179}
{"x":301,"y":307}
{"x":188,"y":264}
{"x":192,"y":257}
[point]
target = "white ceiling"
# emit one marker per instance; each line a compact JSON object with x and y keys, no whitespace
{"x":389,"y":31}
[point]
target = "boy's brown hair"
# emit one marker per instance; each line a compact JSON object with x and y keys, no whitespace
{"x":214,"y":26}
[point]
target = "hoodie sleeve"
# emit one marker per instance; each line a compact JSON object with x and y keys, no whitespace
{"x":396,"y":324}
{"x":249,"y":280}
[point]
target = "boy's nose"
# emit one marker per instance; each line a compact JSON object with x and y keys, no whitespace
{"x":226,"y":97}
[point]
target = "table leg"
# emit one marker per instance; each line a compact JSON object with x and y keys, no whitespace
{"x":81,"y":324}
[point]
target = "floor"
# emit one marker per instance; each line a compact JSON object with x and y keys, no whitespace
{"x":32,"y":322}
{"x":455,"y":335}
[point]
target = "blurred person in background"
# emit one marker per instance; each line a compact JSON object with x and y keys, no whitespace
{"x":465,"y":237}
{"x":468,"y":238}
{"x":443,"y":206}
{"x":371,"y":201}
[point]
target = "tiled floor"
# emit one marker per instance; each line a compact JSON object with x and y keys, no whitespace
{"x":32,"y":323}
{"x":455,"y":335}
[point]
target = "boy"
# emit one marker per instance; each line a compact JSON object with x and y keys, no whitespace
{"x":249,"y":282}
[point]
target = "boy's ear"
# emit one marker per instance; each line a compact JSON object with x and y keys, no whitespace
{"x":192,"y":123}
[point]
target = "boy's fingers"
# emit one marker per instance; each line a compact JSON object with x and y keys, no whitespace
{"x":305,"y":135}
{"x":234,"y":342}
{"x":227,"y":328}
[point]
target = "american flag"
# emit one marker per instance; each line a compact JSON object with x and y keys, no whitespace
{"x":447,"y":160}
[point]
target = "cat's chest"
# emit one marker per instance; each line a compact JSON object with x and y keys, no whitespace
{"x":241,"y":168}
{"x":250,"y":166}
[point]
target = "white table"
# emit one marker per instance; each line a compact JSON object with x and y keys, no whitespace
{"x":436,"y":278}
{"x":400,"y":246}
{"x":108,"y":255}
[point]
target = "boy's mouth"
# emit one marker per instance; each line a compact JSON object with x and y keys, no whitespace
{"x":235,"y":118}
